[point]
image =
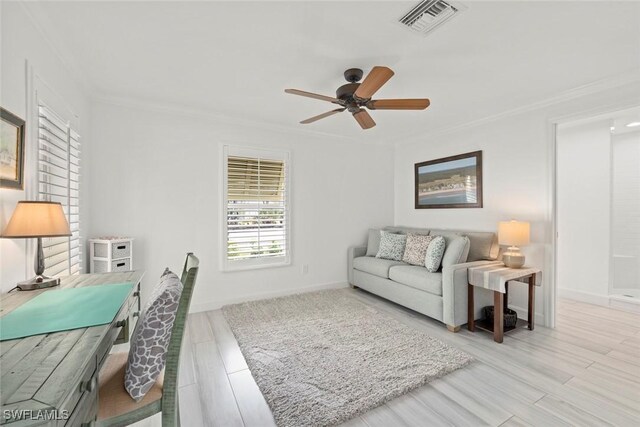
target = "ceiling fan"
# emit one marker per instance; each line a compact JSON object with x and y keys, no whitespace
{"x":354,"y":96}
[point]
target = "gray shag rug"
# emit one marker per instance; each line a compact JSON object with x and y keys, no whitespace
{"x":322,"y":358}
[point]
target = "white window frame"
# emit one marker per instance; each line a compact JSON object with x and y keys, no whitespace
{"x":254,"y":263}
{"x":44,"y":190}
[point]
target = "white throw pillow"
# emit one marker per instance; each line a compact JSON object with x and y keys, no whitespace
{"x":150,"y":340}
{"x":391,"y":246}
{"x":434,"y":254}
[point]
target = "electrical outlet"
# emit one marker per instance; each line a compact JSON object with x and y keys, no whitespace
{"x":305,"y":268}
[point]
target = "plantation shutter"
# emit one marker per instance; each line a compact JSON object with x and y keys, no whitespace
{"x":59,"y":181}
{"x":257,"y":211}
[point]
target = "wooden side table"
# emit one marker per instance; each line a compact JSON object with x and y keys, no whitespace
{"x":497,"y":278}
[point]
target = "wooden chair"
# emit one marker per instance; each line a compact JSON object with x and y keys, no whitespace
{"x":116,"y":407}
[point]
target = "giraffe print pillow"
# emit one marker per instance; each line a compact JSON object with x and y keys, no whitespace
{"x":150,"y":339}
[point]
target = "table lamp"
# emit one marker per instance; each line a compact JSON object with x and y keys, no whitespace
{"x":513,"y":234}
{"x":37,"y":220}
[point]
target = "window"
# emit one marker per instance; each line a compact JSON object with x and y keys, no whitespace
{"x":59,"y":181}
{"x":256,"y":206}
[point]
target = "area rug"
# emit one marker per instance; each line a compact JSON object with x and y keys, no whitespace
{"x":322,"y":358}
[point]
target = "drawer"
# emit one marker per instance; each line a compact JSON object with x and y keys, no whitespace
{"x":122,"y":328}
{"x":120,"y":250}
{"x":110,"y":339}
{"x":134,"y":300}
{"x":127,"y":330}
{"x":85,"y":413}
{"x":99,"y":266}
{"x":121,"y":265}
{"x":87,"y":384}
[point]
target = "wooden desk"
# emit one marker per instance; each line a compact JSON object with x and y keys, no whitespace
{"x":52,"y":379}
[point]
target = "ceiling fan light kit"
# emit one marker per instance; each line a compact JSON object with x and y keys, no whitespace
{"x":355,"y":97}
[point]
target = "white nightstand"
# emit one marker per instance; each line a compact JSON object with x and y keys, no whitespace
{"x":110,"y":254}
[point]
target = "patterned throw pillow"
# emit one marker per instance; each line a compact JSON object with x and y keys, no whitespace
{"x":391,"y":245}
{"x":150,"y":339}
{"x":415,"y":251}
{"x":434,"y":254}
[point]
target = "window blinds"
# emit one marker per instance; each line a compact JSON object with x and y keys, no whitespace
{"x":59,"y":181}
{"x":256,"y":209}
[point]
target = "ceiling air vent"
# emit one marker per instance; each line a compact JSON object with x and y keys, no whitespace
{"x":430,"y":14}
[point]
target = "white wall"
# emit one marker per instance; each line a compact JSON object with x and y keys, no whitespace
{"x":517,"y":172}
{"x":340,"y":187}
{"x":625,"y":212}
{"x":156,"y":177}
{"x":22,"y":43}
{"x":583,"y":194}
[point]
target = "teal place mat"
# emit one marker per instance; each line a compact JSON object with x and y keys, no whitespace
{"x":65,"y":309}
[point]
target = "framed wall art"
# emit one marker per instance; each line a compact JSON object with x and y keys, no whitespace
{"x":11,"y":150}
{"x":450,"y":182}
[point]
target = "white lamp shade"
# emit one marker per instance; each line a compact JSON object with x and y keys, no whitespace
{"x":513,"y":233}
{"x":37,"y":219}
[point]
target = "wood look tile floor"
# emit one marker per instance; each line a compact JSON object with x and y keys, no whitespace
{"x":586,"y":372}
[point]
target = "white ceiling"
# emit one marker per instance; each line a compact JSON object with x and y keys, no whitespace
{"x":236,"y":58}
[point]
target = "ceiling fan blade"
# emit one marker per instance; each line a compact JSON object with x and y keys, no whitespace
{"x":364,"y":119}
{"x":322,"y":116}
{"x":312,"y":95}
{"x":377,"y":77}
{"x":398,"y":104}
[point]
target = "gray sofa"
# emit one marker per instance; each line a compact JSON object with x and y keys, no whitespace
{"x":441,"y":295}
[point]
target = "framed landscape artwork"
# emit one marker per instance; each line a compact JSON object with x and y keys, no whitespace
{"x":11,"y":150}
{"x":450,"y":182}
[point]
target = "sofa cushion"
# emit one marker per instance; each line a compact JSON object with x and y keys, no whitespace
{"x":376,"y":266}
{"x":435,"y":251}
{"x":483,"y":244}
{"x":456,"y":251}
{"x":373,"y":243}
{"x":448,"y":235}
{"x":417,"y":277}
{"x":407,"y":230}
{"x":415,"y":250}
{"x":391,"y":246}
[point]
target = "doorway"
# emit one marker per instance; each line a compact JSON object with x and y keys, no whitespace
{"x":598,"y":210}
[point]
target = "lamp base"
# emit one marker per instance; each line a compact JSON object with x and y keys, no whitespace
{"x":513,"y":258}
{"x":38,"y":282}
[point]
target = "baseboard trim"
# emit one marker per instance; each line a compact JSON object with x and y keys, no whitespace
{"x":217,"y":304}
{"x":582,"y":296}
{"x":632,"y":305}
{"x":617,"y":302}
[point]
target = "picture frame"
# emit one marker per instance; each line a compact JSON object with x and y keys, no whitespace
{"x":11,"y":150}
{"x":449,"y":182}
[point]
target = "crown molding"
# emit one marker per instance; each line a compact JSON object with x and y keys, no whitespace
{"x":203,"y":113}
{"x":43,"y":25}
{"x":47,"y":30}
{"x":629,"y":77}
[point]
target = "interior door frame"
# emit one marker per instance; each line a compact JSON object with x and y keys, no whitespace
{"x":551,"y":292}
